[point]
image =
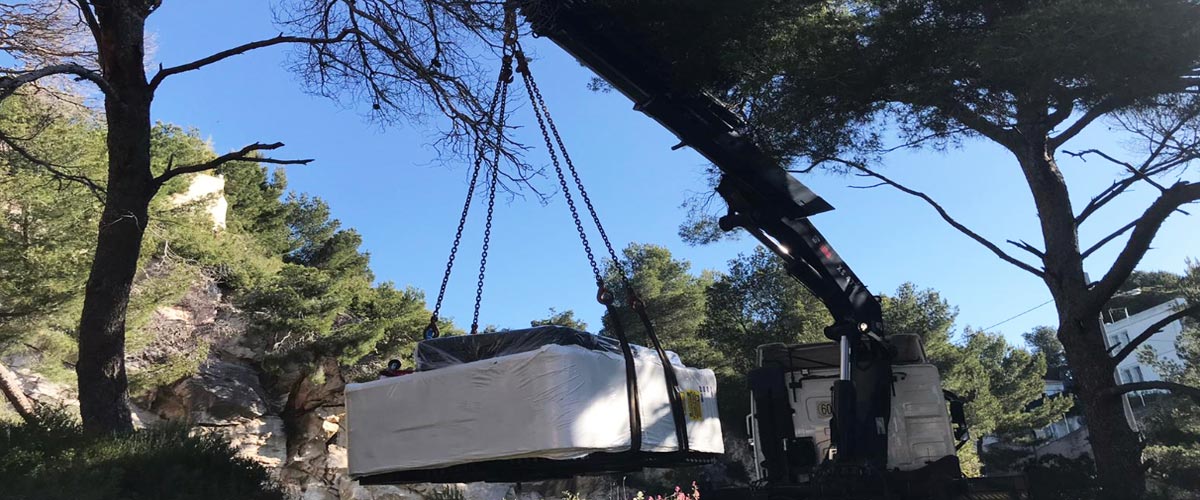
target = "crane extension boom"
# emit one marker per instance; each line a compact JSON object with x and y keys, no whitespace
{"x":762,"y":197}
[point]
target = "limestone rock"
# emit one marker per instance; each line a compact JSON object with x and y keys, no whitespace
{"x":223,"y":393}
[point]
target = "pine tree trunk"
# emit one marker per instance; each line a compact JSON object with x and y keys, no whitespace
{"x":103,"y":385}
{"x":1115,"y":447}
{"x":11,"y":387}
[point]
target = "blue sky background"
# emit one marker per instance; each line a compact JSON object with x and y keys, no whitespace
{"x":389,"y":185}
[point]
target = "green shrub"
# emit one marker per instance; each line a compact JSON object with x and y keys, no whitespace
{"x":53,"y":459}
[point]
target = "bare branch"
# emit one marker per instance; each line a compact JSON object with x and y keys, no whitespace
{"x":1106,"y":239}
{"x":1185,"y":390}
{"x":946,"y":217}
{"x":872,"y":186}
{"x":1138,"y":173}
{"x":58,"y":171}
{"x":1151,"y":330}
{"x":9,"y":85}
{"x":1023,"y":245}
{"x":89,"y":17}
{"x":1144,"y":232}
{"x":1109,"y":194}
{"x":242,"y":49}
{"x":244,"y":154}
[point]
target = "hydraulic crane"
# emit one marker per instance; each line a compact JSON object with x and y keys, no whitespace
{"x":767,"y":202}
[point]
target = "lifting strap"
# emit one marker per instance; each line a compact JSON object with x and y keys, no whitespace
{"x":548,"y":129}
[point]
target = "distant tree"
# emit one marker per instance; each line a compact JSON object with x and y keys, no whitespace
{"x":1172,"y":426}
{"x":1143,"y":290}
{"x":673,"y":296}
{"x":840,"y":84}
{"x":1044,"y":341}
{"x":925,"y":313}
{"x":756,"y":302}
{"x":565,"y":318}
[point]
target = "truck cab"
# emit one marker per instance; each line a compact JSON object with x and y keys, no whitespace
{"x":792,"y":410}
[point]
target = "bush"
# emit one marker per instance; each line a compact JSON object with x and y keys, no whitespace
{"x":53,"y":459}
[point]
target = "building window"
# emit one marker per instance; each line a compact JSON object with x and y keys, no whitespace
{"x":1119,"y":338}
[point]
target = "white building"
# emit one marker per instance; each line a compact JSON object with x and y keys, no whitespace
{"x":1061,"y":428}
{"x":1118,"y":333}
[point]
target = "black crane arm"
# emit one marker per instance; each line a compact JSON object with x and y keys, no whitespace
{"x":762,"y":196}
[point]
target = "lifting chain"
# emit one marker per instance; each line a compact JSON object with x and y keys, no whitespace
{"x":603,"y":295}
{"x":546,"y":123}
{"x":493,"y":174}
{"x":496,"y":114}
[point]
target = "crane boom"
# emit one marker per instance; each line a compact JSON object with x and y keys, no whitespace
{"x":762,"y":196}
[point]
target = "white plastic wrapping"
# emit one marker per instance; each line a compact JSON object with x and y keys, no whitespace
{"x":556,"y":402}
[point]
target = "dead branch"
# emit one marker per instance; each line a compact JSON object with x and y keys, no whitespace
{"x":241,"y":49}
{"x":1138,"y":173}
{"x":1144,"y":231}
{"x":1151,"y":330}
{"x":11,"y":387}
{"x":244,"y":154}
{"x":10,"y":84}
{"x":946,"y":217}
{"x":1023,"y":245}
{"x":1104,"y":241}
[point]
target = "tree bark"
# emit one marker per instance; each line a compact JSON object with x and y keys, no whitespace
{"x":1115,"y":447}
{"x":103,"y":385}
{"x":11,"y":387}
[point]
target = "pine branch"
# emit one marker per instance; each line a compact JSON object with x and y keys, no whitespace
{"x":58,"y":171}
{"x":946,"y":217}
{"x":1144,"y":231}
{"x":1185,"y":390}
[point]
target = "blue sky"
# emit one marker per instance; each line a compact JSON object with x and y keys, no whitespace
{"x":389,"y":185}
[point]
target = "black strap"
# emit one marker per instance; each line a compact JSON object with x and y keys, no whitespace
{"x":631,"y":389}
{"x":673,"y":397}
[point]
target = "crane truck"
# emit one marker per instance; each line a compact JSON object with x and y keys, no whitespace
{"x":861,"y":416}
